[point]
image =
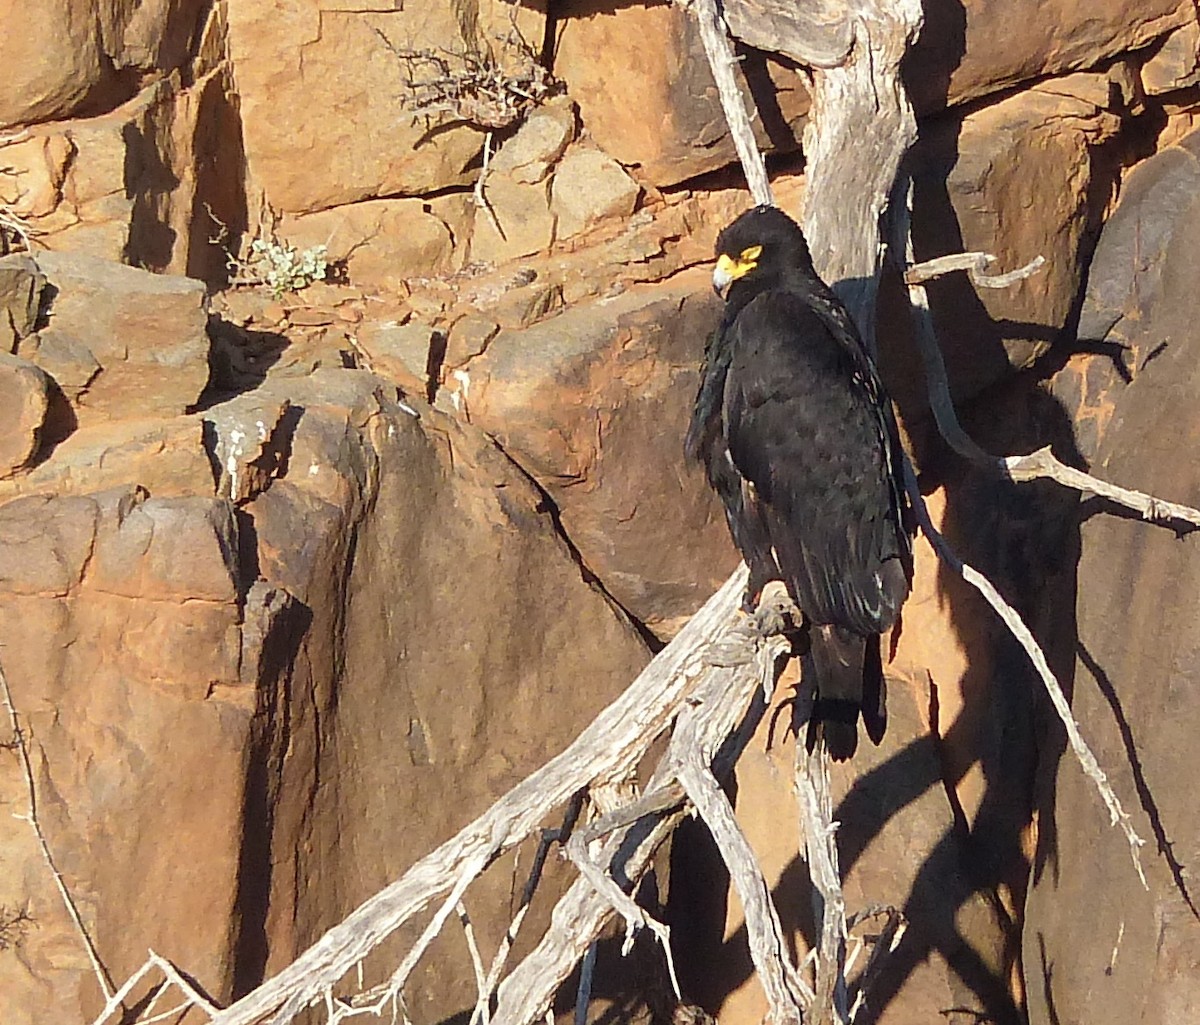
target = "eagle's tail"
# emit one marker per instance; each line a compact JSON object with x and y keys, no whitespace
{"x":848,"y":672}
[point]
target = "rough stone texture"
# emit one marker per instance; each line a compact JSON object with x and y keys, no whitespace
{"x":305,"y":99}
{"x":120,"y":625}
{"x":128,"y":342}
{"x":588,"y":187}
{"x":187,"y":672}
{"x":543,"y":136}
{"x":1137,"y":630}
{"x":136,"y":184}
{"x":78,"y":54}
{"x":970,"y":48}
{"x":24,"y":398}
{"x":646,"y":94}
{"x":582,"y":401}
{"x":399,"y":352}
{"x":523,"y":222}
{"x":21,"y":286}
{"x":976,"y":180}
{"x":1176,"y":64}
{"x":385,"y":240}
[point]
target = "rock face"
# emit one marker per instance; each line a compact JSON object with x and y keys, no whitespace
{"x":110,"y":328}
{"x":617,"y":475}
{"x":291,"y":66}
{"x":967,"y":50}
{"x":24,"y":399}
{"x":77,"y":54}
{"x":1135,"y":960}
{"x":274,"y":626}
{"x":975,"y":179}
{"x":401,"y":657}
{"x":646,"y":94}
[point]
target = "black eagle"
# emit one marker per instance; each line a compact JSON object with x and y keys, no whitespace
{"x":799,"y":440}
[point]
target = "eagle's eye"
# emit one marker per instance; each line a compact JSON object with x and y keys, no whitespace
{"x":751,"y":254}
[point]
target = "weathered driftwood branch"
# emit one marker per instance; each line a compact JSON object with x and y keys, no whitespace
{"x":172,"y":975}
{"x":974,"y":264}
{"x":707,"y":718}
{"x":829,"y":905}
{"x":860,"y":126}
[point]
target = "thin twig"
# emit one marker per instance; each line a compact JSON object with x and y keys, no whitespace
{"x":587,"y":972}
{"x":549,"y":836}
{"x":172,"y":975}
{"x":1041,"y":464}
{"x":473,"y":950}
{"x":973,"y":264}
{"x":1083,"y":753}
{"x":102,"y":978}
{"x":785,"y":991}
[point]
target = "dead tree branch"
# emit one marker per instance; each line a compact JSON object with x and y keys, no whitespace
{"x":721,"y":60}
{"x":1037,"y":465}
{"x":701,"y":682}
{"x":829,"y":905}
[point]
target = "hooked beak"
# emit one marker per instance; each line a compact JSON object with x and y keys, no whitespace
{"x":724,"y":274}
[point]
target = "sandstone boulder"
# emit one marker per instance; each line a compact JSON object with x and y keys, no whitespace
{"x":383,"y":241}
{"x":312,"y":73}
{"x":21,"y":286}
{"x":588,"y":187}
{"x":538,"y":143}
{"x":312,"y":684}
{"x":521,"y":222}
{"x":126,"y":342}
{"x":976,"y":179}
{"x":24,"y":399}
{"x":141,"y":183}
{"x":76,"y":54}
{"x":1176,"y":64}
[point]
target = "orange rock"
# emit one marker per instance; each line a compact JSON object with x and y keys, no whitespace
{"x":24,"y":399}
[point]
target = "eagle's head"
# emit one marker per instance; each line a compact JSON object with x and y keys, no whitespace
{"x":760,"y":247}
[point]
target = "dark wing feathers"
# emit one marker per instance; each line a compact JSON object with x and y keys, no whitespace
{"x":805,"y":424}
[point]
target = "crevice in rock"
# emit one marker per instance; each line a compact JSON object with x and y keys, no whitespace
{"x":549,"y":507}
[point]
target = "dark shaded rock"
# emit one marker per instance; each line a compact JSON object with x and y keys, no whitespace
{"x":1097,"y":946}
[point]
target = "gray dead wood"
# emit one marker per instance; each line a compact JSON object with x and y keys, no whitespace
{"x":691,"y":677}
{"x":859,"y":128}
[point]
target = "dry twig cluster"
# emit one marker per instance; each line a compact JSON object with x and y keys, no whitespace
{"x":16,"y":233}
{"x":473,"y":86}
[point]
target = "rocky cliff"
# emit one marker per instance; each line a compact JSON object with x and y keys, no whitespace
{"x":295,"y":580}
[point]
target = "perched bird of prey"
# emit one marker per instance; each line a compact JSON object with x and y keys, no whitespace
{"x":799,"y":440}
